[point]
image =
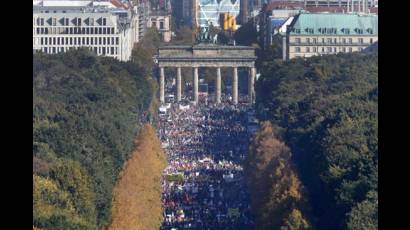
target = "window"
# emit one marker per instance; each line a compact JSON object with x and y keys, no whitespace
{"x":314,"y":49}
{"x":314,"y":40}
{"x":54,"y":50}
{"x":41,"y":41}
{"x":335,"y":41}
{"x":83,"y":31}
{"x":112,"y":50}
{"x":45,"y":50}
{"x":371,"y":40}
{"x":67,"y":22}
{"x":100,"y":41}
{"x":117,"y":41}
{"x":350,"y":49}
{"x":297,"y":40}
{"x":83,"y":42}
{"x":112,"y":30}
{"x":104,"y":30}
{"x":53,"y":21}
{"x":58,"y":41}
{"x":99,"y":30}
{"x":329,"y":40}
{"x":297,"y":49}
{"x":307,"y":50}
{"x":329,"y":49}
{"x":108,"y":41}
{"x":334,"y":49}
{"x":103,"y":50}
{"x":161,"y":25}
{"x":346,"y":31}
{"x":323,"y":49}
{"x":350,"y":41}
{"x":361,"y":40}
{"x":344,"y":40}
{"x":38,"y":30}
{"x":344,"y":49}
{"x":79,"y":22}
{"x":307,"y":40}
{"x":91,"y":21}
{"x":75,"y":41}
{"x":104,"y":21}
{"x":103,"y":40}
{"x":87,"y":41}
{"x":323,"y":40}
{"x":92,"y":41}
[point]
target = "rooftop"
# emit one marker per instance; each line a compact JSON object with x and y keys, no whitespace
{"x":205,"y":46}
{"x":334,"y":23}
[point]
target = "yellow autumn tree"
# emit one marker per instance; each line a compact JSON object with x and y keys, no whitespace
{"x":275,"y":188}
{"x":137,"y":194}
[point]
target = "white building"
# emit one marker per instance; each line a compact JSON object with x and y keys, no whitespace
{"x":107,"y":29}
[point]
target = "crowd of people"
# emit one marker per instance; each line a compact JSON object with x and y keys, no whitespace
{"x":203,"y":185}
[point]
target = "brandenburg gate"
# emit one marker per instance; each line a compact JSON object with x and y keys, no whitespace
{"x":208,"y":55}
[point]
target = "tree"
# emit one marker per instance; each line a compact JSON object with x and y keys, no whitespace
{"x":327,"y":110}
{"x":86,"y":113}
{"x":295,"y":221}
{"x":277,"y":195}
{"x":246,"y":35}
{"x":365,"y":214}
{"x":183,"y":36}
{"x":138,"y":191}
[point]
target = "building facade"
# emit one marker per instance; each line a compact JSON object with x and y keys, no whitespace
{"x":326,"y":33}
{"x":104,"y":28}
{"x":210,"y":11}
{"x":163,"y":24}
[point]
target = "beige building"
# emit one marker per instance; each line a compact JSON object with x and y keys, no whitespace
{"x":163,"y":24}
{"x":327,"y":33}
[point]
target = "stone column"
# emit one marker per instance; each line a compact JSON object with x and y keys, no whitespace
{"x":179,"y":89}
{"x":235,"y":86}
{"x":196,"y":85}
{"x":284,"y":51}
{"x":251,"y":85}
{"x":218,"y":85}
{"x":162,"y":86}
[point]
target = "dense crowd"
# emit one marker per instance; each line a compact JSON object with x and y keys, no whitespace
{"x":203,"y":185}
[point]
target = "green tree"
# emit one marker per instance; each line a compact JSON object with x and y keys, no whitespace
{"x":327,"y":110}
{"x":246,"y":35}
